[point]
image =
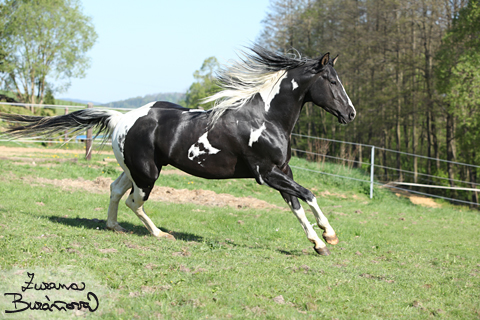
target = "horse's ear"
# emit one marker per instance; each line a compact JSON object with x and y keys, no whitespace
{"x":324,"y":60}
{"x":321,"y":63}
{"x":335,"y":60}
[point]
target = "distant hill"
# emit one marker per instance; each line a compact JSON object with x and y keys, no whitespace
{"x":78,"y":101}
{"x":174,"y":97}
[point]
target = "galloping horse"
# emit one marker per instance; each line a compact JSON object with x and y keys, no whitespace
{"x":245,"y":135}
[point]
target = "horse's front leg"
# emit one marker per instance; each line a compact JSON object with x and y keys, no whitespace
{"x":312,"y":236}
{"x":290,"y":190}
{"x":328,"y":233}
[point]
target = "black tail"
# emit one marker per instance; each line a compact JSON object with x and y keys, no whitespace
{"x":103,"y":120}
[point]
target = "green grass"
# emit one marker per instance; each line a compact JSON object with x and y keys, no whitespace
{"x":394,"y":259}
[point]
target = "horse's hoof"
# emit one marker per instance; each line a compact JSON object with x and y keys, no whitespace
{"x":323,"y":251}
{"x":167,"y":236}
{"x":330,"y":239}
{"x":117,"y":228}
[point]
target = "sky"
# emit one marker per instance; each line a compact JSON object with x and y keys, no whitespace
{"x":146,"y":47}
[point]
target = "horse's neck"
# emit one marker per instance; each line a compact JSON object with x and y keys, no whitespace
{"x":279,"y":108}
{"x":286,"y":106}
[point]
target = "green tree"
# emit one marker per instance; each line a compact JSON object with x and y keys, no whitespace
{"x":458,"y":81}
{"x":204,"y":86}
{"x":43,"y":38}
{"x":49,"y":98}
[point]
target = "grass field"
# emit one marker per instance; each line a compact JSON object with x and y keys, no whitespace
{"x":394,"y":259}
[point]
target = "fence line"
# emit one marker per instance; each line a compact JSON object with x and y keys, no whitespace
{"x":88,"y":140}
{"x":51,"y":141}
{"x":332,"y":157}
{"x":331,"y":140}
{"x":385,"y":149}
{"x":427,"y":175}
{"x":433,"y":186}
{"x":385,"y":167}
{"x":59,"y":106}
{"x":328,"y":174}
{"x":386,"y":185}
{"x":427,"y":194}
{"x":373,"y":165}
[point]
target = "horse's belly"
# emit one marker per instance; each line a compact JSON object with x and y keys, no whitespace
{"x":213,"y":167}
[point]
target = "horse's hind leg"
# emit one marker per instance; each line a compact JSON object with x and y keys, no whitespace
{"x":135,"y":201}
{"x":117,"y":190}
{"x":312,"y":236}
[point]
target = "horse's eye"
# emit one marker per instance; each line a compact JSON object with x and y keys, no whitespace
{"x":333,"y":82}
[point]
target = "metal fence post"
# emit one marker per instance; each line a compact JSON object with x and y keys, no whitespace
{"x":372,"y":164}
{"x":88,"y":141}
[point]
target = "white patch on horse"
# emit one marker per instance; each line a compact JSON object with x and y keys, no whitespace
{"x":123,"y":126}
{"x":194,"y":110}
{"x":260,"y":176}
{"x":349,"y":101}
{"x":270,"y":92}
{"x":255,"y":134}
{"x":202,"y":146}
{"x":294,"y":85}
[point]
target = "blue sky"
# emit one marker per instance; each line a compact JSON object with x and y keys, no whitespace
{"x":146,"y":47}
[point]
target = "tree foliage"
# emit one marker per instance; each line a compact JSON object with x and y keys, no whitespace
{"x":411,"y":69}
{"x":204,"y":86}
{"x":40,"y":39}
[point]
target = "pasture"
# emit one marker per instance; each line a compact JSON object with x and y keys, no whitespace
{"x":394,"y":259}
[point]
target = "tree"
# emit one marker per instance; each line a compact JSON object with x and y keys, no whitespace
{"x":40,"y":39}
{"x":458,"y":80}
{"x":204,"y":86}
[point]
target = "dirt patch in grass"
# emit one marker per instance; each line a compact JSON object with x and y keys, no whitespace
{"x":418,"y":200}
{"x":159,"y":193}
{"x":423,"y":201}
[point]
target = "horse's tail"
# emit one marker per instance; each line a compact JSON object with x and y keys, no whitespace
{"x":27,"y":126}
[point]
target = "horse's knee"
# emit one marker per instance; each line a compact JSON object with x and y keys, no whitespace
{"x":115,"y":192}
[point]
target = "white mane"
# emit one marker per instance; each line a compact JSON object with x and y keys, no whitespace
{"x":252,"y":74}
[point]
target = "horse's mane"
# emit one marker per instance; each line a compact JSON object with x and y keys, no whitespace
{"x":256,"y":70}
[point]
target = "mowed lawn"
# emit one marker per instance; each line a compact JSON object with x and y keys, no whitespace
{"x":394,"y":259}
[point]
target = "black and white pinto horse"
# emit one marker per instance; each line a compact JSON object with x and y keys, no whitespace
{"x":246,"y":134}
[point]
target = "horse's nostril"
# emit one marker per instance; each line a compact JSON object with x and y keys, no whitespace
{"x":352,"y":115}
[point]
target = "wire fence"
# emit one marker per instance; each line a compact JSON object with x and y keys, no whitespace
{"x":381,"y":174}
{"x":387,"y":176}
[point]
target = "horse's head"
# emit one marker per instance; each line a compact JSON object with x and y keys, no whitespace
{"x":328,"y":92}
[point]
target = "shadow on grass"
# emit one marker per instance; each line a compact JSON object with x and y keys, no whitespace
{"x":185,"y":236}
{"x":141,"y":231}
{"x":99,"y":224}
{"x":296,"y":253}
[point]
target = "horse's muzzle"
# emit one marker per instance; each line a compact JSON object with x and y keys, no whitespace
{"x":348,"y":116}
